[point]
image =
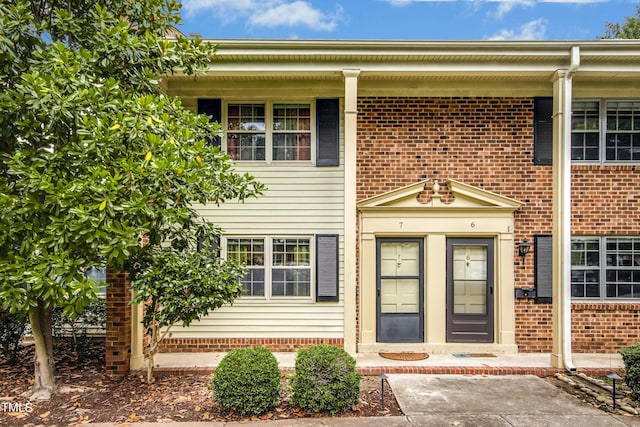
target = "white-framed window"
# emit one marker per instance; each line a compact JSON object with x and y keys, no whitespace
{"x":605,"y":131}
{"x":605,"y":268}
{"x":279,"y":267}
{"x":270,"y":131}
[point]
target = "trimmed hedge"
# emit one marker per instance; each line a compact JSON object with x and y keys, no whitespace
{"x":631,"y":358}
{"x":247,"y":380}
{"x":325,"y":379}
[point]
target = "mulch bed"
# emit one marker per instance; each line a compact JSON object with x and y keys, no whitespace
{"x":87,"y":395}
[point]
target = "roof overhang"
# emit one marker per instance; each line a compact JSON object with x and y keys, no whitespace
{"x":395,"y":59}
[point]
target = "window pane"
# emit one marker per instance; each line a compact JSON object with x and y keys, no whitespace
{"x":253,"y":282}
{"x":623,"y":267}
{"x":291,"y":252}
{"x":291,"y":274}
{"x":292,"y":146}
{"x":585,"y":127}
{"x":247,"y":117}
{"x":593,"y":290}
{"x":577,"y":290}
{"x":585,"y":279}
{"x":292,"y":132}
{"x":294,"y":282}
{"x":585,"y":283}
{"x":585,"y":252}
{"x":623,"y":119}
{"x":249,"y":252}
{"x":246,"y":146}
{"x":246,"y":125}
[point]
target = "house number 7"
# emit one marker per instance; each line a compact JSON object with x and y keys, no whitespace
{"x":400,"y":222}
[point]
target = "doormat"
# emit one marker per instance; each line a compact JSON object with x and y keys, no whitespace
{"x":473,"y":355}
{"x":404,"y":356}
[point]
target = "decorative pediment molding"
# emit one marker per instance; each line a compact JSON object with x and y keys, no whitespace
{"x":464,"y":197}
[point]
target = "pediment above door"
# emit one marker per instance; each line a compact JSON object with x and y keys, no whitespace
{"x":464,"y":197}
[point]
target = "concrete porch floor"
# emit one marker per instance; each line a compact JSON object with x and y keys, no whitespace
{"x":373,"y":363}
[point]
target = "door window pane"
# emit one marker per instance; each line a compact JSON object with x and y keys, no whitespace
{"x":469,"y":279}
{"x":399,"y":295}
{"x":399,"y":259}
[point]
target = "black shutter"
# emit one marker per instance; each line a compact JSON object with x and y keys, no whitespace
{"x":544,"y":268}
{"x":327,"y":267}
{"x":543,"y":131}
{"x":213,"y":109}
{"x":327,"y":132}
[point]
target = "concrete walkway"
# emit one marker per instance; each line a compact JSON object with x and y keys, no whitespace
{"x":447,"y":400}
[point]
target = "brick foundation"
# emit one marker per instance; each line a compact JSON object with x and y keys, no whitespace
{"x":197,"y":345}
{"x":604,"y":327}
{"x":118,"y":333}
{"x":431,"y":370}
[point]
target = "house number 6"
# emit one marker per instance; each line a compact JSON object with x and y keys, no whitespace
{"x":473,"y":225}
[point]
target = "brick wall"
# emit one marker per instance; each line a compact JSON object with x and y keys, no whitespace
{"x":600,"y":327}
{"x":488,"y":143}
{"x":118,"y":333}
{"x":170,"y":345}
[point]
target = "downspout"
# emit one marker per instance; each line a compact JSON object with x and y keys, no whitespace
{"x":566,"y":209}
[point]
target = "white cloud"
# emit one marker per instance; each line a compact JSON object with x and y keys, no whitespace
{"x":533,"y":30}
{"x":267,"y":13}
{"x":297,"y":13}
{"x":399,"y":3}
{"x":504,"y":7}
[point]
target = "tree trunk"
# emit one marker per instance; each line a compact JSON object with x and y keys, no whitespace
{"x":44,"y":369}
{"x":150,"y":377}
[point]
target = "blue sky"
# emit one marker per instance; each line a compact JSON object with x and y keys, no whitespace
{"x":404,"y":19}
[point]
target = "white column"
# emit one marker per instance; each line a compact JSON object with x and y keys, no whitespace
{"x":350,"y":213}
{"x":136,"y":360}
{"x":561,"y":351}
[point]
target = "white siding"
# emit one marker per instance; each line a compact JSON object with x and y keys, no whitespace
{"x":299,"y":200}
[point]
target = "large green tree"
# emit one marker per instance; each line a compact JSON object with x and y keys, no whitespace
{"x":630,"y":29}
{"x":97,"y":166}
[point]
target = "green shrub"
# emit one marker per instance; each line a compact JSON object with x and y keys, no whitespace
{"x":325,"y":379}
{"x":247,"y":381}
{"x":11,"y":329}
{"x":631,"y":358}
